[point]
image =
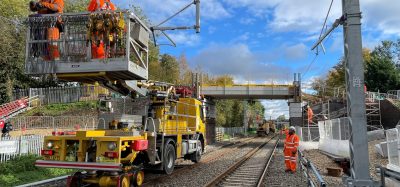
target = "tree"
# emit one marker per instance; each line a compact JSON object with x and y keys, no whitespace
{"x":75,"y":5}
{"x":281,"y":118}
{"x":380,"y":71}
{"x":169,"y":68}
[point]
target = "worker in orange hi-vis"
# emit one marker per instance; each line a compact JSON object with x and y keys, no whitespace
{"x":98,"y":52}
{"x":53,"y":33}
{"x":290,"y":150}
{"x":310,"y":114}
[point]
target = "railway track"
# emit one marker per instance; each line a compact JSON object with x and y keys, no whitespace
{"x":228,"y":149}
{"x":249,"y":170}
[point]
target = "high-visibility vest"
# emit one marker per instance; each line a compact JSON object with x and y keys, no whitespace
{"x":105,"y":5}
{"x":292,"y":142}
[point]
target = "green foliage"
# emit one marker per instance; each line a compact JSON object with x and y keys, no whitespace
{"x":169,"y":68}
{"x":75,"y":5}
{"x":12,"y":46}
{"x":59,"y":109}
{"x":380,"y":71}
{"x":22,"y":170}
{"x":230,"y":113}
{"x":281,"y":118}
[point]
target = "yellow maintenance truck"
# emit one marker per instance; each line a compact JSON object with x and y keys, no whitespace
{"x":126,"y":142}
{"x":149,"y":128}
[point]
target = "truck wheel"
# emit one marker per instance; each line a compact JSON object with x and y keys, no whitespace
{"x":125,"y":181}
{"x":169,"y":159}
{"x":196,"y":156}
{"x":138,"y":178}
{"x":75,"y":180}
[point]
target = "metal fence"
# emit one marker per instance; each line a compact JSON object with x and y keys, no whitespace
{"x":230,"y":130}
{"x":334,"y":136}
{"x":393,"y":94}
{"x":392,"y":139}
{"x":54,"y":95}
{"x":45,"y":125}
{"x":308,"y":134}
{"x":11,"y":147}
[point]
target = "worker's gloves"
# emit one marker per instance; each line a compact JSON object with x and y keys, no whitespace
{"x":35,"y":6}
{"x":294,"y":152}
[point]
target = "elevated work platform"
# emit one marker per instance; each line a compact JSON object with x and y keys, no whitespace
{"x":251,"y":91}
{"x":68,"y":54}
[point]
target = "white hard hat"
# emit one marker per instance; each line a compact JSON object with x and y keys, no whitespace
{"x":292,"y":128}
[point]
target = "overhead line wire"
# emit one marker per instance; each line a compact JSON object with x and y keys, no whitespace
{"x":322,"y":29}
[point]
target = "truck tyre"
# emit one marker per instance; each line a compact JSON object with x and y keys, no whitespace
{"x":196,"y":156}
{"x":169,"y":158}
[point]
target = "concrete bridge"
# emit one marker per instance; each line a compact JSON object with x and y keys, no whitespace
{"x":289,"y":92}
{"x":251,"y":91}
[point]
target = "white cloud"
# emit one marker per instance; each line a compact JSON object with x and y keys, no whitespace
{"x":307,"y":16}
{"x":296,"y":52}
{"x":238,"y":61}
{"x":275,"y":108}
{"x":158,"y":10}
{"x":382,"y":15}
{"x":181,"y":38}
{"x":185,"y":38}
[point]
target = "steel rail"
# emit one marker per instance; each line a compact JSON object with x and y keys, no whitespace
{"x":231,"y":169}
{"x":43,"y":182}
{"x":261,"y":179}
{"x":202,"y":161}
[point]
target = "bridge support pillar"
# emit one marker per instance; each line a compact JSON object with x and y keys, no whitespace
{"x":295,"y":114}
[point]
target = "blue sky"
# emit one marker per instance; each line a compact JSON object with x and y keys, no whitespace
{"x":266,"y":41}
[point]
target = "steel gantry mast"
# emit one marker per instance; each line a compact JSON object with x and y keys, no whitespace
{"x":359,"y":159}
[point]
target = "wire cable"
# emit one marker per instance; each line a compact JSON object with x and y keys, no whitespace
{"x":326,"y":19}
{"x":309,"y":66}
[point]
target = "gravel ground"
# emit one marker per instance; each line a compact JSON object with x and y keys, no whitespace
{"x":276,"y":175}
{"x":322,"y":161}
{"x":205,"y":172}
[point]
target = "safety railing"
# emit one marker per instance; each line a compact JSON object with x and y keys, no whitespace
{"x":387,"y":173}
{"x":46,"y":125}
{"x":11,"y":147}
{"x":87,"y":43}
{"x":393,"y":94}
{"x":308,"y":134}
{"x":55,"y":95}
{"x":334,"y":136}
{"x":314,"y":178}
{"x":392,"y":139}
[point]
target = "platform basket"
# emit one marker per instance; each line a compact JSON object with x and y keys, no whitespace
{"x":69,"y":54}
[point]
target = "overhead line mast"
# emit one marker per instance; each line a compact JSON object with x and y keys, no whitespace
{"x":359,"y":159}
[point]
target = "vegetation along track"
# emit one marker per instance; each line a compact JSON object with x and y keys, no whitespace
{"x":249,"y":170}
{"x":207,"y":158}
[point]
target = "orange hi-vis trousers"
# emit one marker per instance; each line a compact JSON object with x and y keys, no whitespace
{"x":53,"y":52}
{"x":290,"y":152}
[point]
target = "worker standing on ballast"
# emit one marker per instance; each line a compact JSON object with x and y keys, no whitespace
{"x":53,"y":32}
{"x":290,"y":150}
{"x":98,"y":51}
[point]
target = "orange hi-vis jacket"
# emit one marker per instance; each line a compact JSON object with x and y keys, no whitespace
{"x":98,"y":52}
{"x":290,"y":151}
{"x":99,"y":5}
{"x":292,"y":142}
{"x":52,"y":6}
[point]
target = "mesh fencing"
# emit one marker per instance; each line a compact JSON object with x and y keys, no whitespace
{"x":392,"y":139}
{"x":334,"y":136}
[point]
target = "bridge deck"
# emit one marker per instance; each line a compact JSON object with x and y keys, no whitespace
{"x":249,"y":91}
